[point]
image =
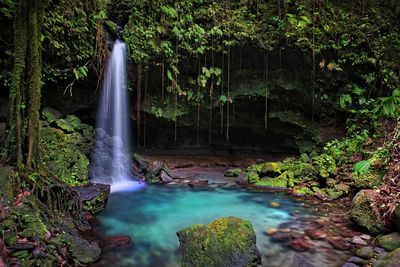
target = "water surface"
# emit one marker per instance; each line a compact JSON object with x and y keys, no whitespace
{"x":152,"y":216}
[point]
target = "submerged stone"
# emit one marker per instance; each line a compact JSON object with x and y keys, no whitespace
{"x":228,"y":241}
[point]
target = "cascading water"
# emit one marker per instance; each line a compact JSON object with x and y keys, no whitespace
{"x":110,"y":161}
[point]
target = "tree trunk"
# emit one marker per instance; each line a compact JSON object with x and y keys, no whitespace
{"x":23,"y":139}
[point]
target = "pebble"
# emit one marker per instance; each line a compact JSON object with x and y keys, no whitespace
{"x":275,"y":204}
{"x":357,"y":260}
{"x":300,"y":245}
{"x":272,"y":231}
{"x":358,"y":241}
{"x":365,"y":237}
{"x":316,"y":234}
{"x":338,"y":243}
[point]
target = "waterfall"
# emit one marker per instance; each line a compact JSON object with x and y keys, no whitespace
{"x":111,"y":163}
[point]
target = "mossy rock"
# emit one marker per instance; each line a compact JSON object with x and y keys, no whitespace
{"x":74,"y":121}
{"x":94,"y":197}
{"x":6,"y":183}
{"x":63,"y":155}
{"x":389,"y":242}
{"x":252,"y":177}
{"x":233,"y":172}
{"x":390,"y":260}
{"x":372,"y":179}
{"x":272,"y":183}
{"x":65,"y":125}
{"x":226,"y":241}
{"x":363,"y":214}
{"x":303,"y":191}
{"x":270,"y":167}
{"x":50,"y":114}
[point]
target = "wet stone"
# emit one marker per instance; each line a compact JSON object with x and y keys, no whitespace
{"x":350,"y":264}
{"x":316,"y":234}
{"x":358,"y":241}
{"x":299,"y":245}
{"x":357,"y":260}
{"x":365,"y":252}
{"x":339,"y":244}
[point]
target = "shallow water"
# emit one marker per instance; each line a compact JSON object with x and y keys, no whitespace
{"x":152,"y":216}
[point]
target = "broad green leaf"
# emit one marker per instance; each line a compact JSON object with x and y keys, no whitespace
{"x":362,"y":167}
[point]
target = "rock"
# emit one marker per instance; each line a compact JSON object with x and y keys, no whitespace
{"x":233,"y":173}
{"x":330,"y":182}
{"x":165,"y":177}
{"x":252,"y":177}
{"x":74,"y":121}
{"x":365,"y":237}
{"x":50,"y":114}
{"x":117,"y":241}
{"x":390,"y":260}
{"x":281,"y":237}
{"x":350,"y":264}
{"x":358,"y":241}
{"x":357,"y":260}
{"x":300,"y":261}
{"x":362,"y":213}
{"x":65,"y":125}
{"x":380,"y":252}
{"x":299,"y":245}
{"x":94,"y":197}
{"x":343,"y":187}
{"x":365,"y":252}
{"x":272,"y":231}
{"x":228,"y":241}
{"x":84,"y":251}
{"x":274,"y":204}
{"x":389,"y":242}
{"x":154,"y":172}
{"x":316,"y":234}
{"x":338,"y":243}
{"x":198,"y":183}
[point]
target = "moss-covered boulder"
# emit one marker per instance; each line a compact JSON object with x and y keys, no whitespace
{"x":226,"y":241}
{"x":50,"y":114}
{"x":390,"y":242}
{"x":272,"y":183}
{"x":390,"y":260}
{"x":66,"y":154}
{"x":83,"y":251}
{"x":6,"y":183}
{"x":363,"y":214}
{"x":94,"y":197}
{"x":233,"y":172}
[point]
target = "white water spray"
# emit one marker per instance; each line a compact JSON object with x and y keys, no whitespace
{"x":110,"y":161}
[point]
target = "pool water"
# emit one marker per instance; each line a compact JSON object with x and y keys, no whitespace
{"x":153,"y":215}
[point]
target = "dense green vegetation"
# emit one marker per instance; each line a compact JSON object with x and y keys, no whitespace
{"x":188,"y":67}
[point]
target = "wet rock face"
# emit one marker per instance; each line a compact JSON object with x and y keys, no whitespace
{"x":94,"y":197}
{"x":363,"y":215}
{"x":226,"y":241}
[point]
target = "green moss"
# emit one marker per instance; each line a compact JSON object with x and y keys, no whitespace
{"x":372,"y":179}
{"x":363,"y":214}
{"x":252,"y":177}
{"x":233,"y":172}
{"x":273,"y":183}
{"x":65,"y":125}
{"x":224,"y":242}
{"x":390,"y":260}
{"x":390,"y":242}
{"x":303,"y":191}
{"x":74,"y":121}
{"x":63,"y":157}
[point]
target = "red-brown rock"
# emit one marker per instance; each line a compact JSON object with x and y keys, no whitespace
{"x":339,"y":243}
{"x":299,"y":245}
{"x":118,"y":241}
{"x":316,"y":233}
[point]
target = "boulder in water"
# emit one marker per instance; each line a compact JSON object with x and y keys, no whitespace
{"x":228,"y":241}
